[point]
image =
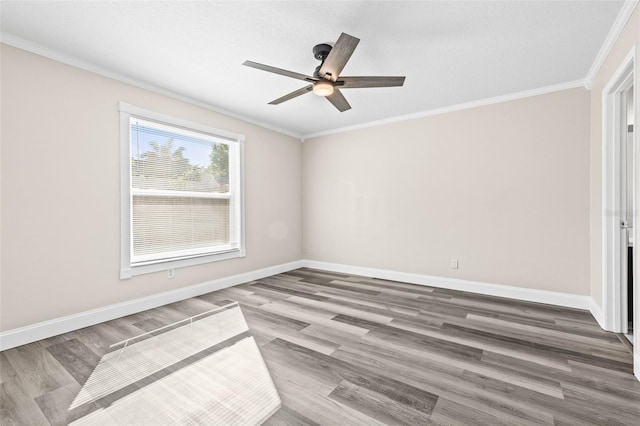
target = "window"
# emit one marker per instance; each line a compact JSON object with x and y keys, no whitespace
{"x":182,"y":193}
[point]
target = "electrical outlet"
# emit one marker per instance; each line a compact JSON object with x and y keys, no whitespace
{"x":171,"y":273}
{"x":454,"y":263}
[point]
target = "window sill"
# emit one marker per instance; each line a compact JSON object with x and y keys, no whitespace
{"x":127,"y":273}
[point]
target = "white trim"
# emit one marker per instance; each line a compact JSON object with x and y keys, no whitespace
{"x":621,"y":20}
{"x":611,"y":245}
{"x":597,"y":313}
{"x":176,"y":193}
{"x":527,"y":294}
{"x":131,"y":265}
{"x":47,"y":52}
{"x":194,"y":256}
{"x":636,"y":366}
{"x":20,"y":43}
{"x":167,"y":121}
{"x":21,"y":336}
{"x":453,"y":108}
{"x":125,"y":196}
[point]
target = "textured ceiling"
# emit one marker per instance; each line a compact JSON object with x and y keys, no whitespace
{"x":451,"y":52}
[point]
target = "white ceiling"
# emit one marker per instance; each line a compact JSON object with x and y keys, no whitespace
{"x":451,"y":52}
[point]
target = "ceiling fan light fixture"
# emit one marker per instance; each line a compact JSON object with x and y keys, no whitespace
{"x":326,"y":80}
{"x":323,"y":88}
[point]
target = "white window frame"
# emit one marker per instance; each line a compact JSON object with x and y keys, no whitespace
{"x":129,"y":267}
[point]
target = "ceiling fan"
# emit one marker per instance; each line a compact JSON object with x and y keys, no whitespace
{"x":326,"y":80}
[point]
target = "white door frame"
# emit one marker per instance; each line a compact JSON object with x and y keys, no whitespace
{"x":613,"y":135}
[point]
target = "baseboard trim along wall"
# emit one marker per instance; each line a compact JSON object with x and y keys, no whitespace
{"x":597,"y":313}
{"x":21,"y":336}
{"x":46,"y":329}
{"x":527,"y":294}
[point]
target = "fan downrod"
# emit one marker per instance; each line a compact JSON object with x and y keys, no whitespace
{"x":320,"y":52}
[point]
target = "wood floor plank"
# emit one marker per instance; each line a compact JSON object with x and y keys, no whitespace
{"x":76,"y":358}
{"x":454,"y":414}
{"x":363,"y":303}
{"x":408,"y":288}
{"x":55,"y":405}
{"x":550,"y":336}
{"x":7,"y":372}
{"x":290,"y":284}
{"x":297,"y":312}
{"x":625,"y":407}
{"x":350,"y":287}
{"x":322,"y":409}
{"x":624,"y":391}
{"x":380,"y":406}
{"x":441,"y":376}
{"x":352,"y":350}
{"x":414,"y":340}
{"x":316,"y":274}
{"x":561,"y":352}
{"x":285,"y":416}
{"x":279,"y":289}
{"x":17,"y":408}
{"x":35,"y":370}
{"x":377,"y":289}
{"x":316,"y":343}
{"x":275,"y":321}
{"x":337,"y":308}
{"x":547,"y":360}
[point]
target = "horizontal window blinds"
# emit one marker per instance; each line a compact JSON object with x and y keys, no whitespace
{"x":182,"y":193}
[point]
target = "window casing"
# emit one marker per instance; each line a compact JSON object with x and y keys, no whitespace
{"x":182,"y":193}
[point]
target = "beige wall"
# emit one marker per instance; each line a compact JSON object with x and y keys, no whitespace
{"x":60,"y":192}
{"x":503,"y":188}
{"x":629,"y":36}
{"x":512,"y":190}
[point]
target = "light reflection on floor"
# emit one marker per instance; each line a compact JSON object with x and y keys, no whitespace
{"x":204,"y":370}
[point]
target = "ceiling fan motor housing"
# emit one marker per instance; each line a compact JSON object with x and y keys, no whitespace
{"x":321,"y":51}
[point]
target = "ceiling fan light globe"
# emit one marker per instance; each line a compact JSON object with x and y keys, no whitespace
{"x":323,"y":88}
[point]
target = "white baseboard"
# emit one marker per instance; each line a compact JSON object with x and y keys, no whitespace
{"x":597,"y":313}
{"x":21,"y":336}
{"x":43,"y":330}
{"x":527,"y":294}
{"x":636,"y":365}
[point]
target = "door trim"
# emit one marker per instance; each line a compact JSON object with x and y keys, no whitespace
{"x":612,"y":292}
{"x":612,"y":135}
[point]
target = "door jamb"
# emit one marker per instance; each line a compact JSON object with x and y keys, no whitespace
{"x":612,"y":132}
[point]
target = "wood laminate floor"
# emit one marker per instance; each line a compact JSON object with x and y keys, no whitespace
{"x":350,"y":350}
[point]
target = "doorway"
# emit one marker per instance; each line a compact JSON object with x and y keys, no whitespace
{"x":627,"y":209}
{"x":619,"y":188}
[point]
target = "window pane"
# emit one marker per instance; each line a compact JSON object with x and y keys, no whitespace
{"x":163,"y":224}
{"x":163,"y":159}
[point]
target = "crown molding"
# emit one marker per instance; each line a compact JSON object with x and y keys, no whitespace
{"x":623,"y":17}
{"x":453,"y":108}
{"x":38,"y":49}
{"x":78,"y":63}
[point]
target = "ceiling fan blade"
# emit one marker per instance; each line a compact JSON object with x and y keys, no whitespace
{"x":338,"y":100}
{"x":358,"y":82}
{"x":338,"y":57}
{"x":280,"y":71}
{"x":292,"y":95}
